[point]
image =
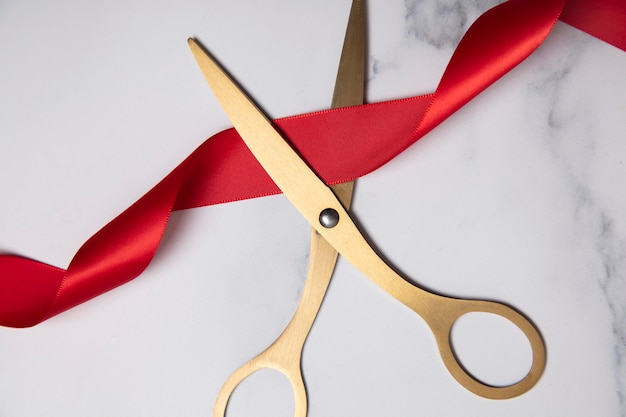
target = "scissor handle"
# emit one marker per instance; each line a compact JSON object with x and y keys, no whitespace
{"x":266,"y":360}
{"x":441,"y":318}
{"x":439,"y":312}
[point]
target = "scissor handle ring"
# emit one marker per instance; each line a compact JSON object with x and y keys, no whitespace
{"x":263,"y":361}
{"x":449,"y":310}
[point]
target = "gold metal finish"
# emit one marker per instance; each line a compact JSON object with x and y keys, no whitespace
{"x":310,"y":196}
{"x":285,"y":354}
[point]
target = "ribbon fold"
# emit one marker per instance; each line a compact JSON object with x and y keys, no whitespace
{"x":363,"y":138}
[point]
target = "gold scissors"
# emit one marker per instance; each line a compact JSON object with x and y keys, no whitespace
{"x":323,"y":209}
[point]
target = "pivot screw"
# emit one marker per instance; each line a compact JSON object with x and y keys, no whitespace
{"x":329,"y":218}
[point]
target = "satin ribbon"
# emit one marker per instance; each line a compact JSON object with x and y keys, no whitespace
{"x":363,"y":138}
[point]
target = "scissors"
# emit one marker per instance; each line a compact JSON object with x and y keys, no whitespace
{"x":323,"y":209}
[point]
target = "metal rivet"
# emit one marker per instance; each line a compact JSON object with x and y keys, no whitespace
{"x":329,"y":218}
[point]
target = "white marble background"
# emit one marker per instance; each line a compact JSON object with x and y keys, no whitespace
{"x":517,"y":197}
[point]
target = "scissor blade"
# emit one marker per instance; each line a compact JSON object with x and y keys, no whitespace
{"x":306,"y":191}
{"x":350,"y":82}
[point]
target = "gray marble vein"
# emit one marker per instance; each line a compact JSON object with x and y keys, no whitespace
{"x":442,"y":23}
{"x":574,"y":140}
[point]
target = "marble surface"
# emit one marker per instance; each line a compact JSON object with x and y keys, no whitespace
{"x":517,"y":197}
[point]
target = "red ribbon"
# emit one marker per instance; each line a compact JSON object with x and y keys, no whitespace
{"x":362,"y":138}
